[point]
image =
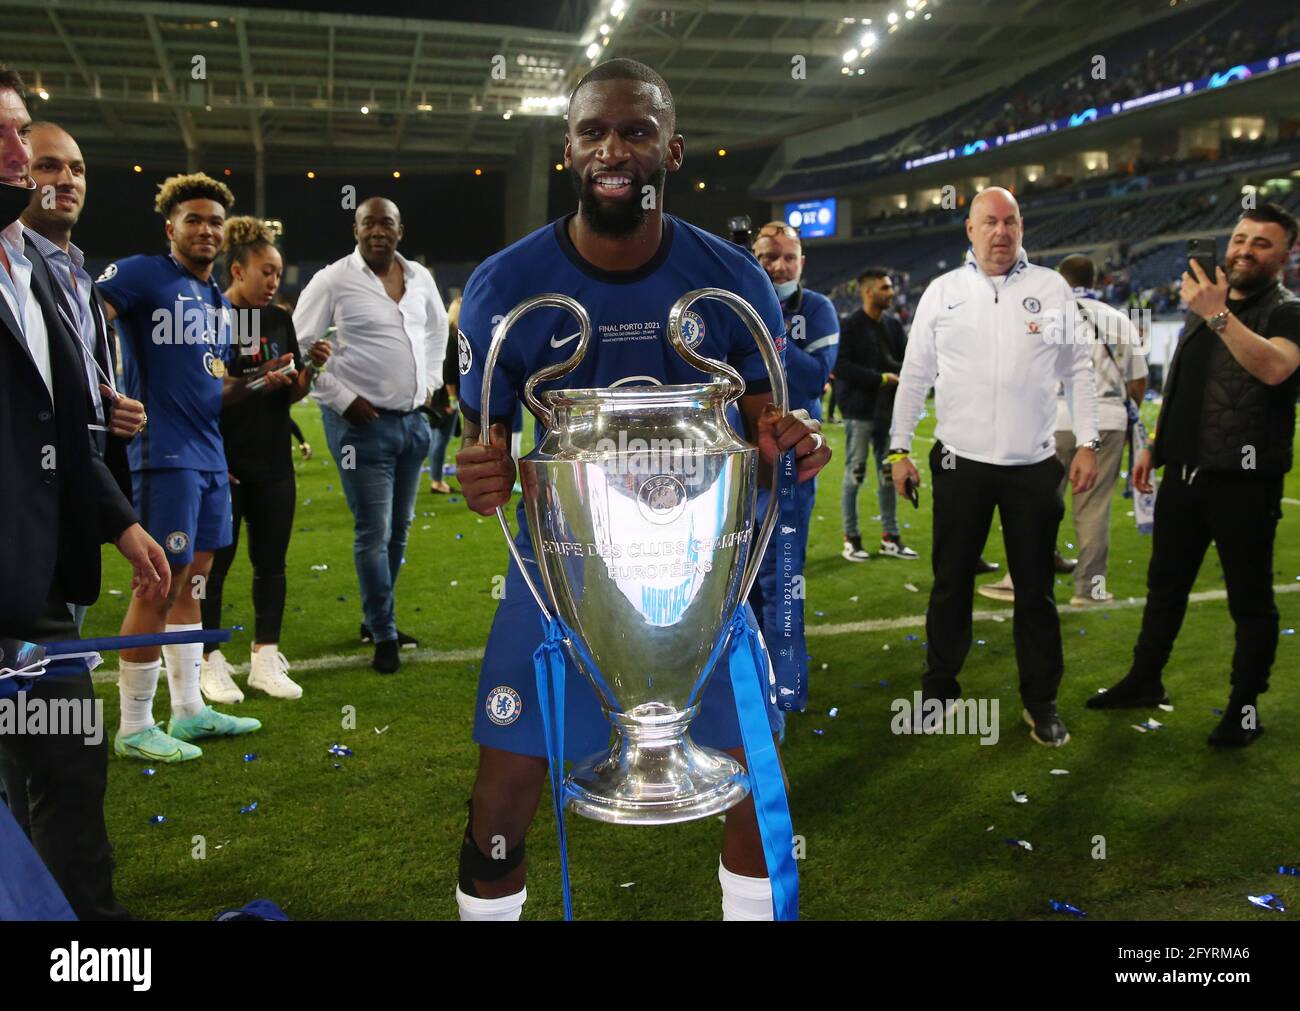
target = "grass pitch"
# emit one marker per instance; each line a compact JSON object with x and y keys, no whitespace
{"x":895,"y":827}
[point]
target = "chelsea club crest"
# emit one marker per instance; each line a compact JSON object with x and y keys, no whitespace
{"x":503,"y":705}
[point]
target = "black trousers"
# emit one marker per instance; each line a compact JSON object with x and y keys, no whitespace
{"x":268,"y":507}
{"x":965,"y":494}
{"x":54,"y":785}
{"x":1239,"y":512}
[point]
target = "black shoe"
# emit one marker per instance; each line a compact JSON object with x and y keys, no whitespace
{"x":1065,"y":565}
{"x":1230,"y":733}
{"x":403,"y":640}
{"x":983,"y":568}
{"x":386,"y":660}
{"x":1130,"y":693}
{"x":1046,"y":727}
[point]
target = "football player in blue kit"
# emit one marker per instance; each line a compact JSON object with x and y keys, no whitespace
{"x":176,"y":328}
{"x":812,"y":342}
{"x":626,"y":262}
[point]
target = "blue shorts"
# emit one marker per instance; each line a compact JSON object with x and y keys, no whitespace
{"x":184,"y":510}
{"x":506,"y":715}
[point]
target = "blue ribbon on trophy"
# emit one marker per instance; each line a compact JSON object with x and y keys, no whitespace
{"x":552,"y":671}
{"x":786,"y":640}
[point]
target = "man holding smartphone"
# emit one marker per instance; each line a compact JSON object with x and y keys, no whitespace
{"x":1225,"y":437}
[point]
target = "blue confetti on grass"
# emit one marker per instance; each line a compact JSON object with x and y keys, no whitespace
{"x":147,"y":772}
{"x":237,"y":628}
{"x":341,"y":749}
{"x":884,"y":682}
{"x":248,"y":808}
{"x":1285,"y":869}
{"x":1267,"y":901}
{"x":1065,"y":907}
{"x":909,"y":638}
{"x":251,"y":757}
{"x":157,"y":819}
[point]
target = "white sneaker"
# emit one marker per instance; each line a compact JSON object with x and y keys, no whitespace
{"x":267,"y":672}
{"x":853,"y":551}
{"x":215,"y":681}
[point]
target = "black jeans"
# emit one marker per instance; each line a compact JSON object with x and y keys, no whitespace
{"x":965,"y":494}
{"x":1239,"y":512}
{"x":54,"y":785}
{"x":268,"y":508}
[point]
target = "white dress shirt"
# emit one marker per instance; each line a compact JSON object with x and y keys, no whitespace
{"x":388,"y":352}
{"x":17,"y":287}
{"x":68,"y":268}
{"x":1118,"y":358}
{"x":994,"y":349}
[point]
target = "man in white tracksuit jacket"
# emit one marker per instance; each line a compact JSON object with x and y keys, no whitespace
{"x":993,"y":337}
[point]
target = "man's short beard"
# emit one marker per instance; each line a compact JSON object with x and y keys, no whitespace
{"x":1249,"y":280}
{"x":199,"y":258}
{"x":615,"y":219}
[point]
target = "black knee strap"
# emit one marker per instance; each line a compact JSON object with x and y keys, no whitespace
{"x":474,"y":865}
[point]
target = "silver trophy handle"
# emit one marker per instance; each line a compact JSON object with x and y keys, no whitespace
{"x":555,"y":301}
{"x":726,"y":374}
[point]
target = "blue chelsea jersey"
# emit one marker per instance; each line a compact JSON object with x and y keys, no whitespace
{"x":175,"y":330}
{"x":628,"y":310}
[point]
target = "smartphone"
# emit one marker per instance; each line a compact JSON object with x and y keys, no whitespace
{"x":1206,"y":253}
{"x":913,"y":495}
{"x":260,"y":381}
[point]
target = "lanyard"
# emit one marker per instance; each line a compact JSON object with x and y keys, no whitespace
{"x":210,"y":308}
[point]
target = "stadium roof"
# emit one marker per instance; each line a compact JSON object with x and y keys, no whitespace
{"x":340,"y":90}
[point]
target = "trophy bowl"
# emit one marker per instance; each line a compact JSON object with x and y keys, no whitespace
{"x":640,"y":502}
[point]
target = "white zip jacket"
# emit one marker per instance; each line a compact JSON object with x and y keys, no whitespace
{"x":994,"y":349}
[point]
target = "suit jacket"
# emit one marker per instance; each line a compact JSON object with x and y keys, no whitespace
{"x":58,"y":501}
{"x":115,"y":448}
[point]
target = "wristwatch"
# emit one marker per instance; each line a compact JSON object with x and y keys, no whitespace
{"x":1218,"y":321}
{"x":1092,"y":444}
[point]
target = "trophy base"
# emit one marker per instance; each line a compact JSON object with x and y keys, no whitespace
{"x":655,"y":775}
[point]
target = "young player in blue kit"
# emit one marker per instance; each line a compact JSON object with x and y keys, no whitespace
{"x":176,"y":328}
{"x":626,"y":262}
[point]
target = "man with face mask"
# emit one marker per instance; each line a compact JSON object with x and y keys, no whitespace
{"x":392,"y":334}
{"x":1225,"y":438}
{"x":626,"y":261}
{"x":812,"y":340}
{"x":58,"y":503}
{"x":991,"y":337}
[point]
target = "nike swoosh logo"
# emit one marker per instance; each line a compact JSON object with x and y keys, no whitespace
{"x":955,"y":304}
{"x":158,"y":756}
{"x":560,"y":343}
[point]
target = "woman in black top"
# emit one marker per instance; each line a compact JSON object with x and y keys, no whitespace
{"x":256,"y":430}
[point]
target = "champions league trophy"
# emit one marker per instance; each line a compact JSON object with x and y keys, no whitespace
{"x":641,"y":505}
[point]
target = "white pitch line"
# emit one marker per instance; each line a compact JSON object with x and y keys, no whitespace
{"x":336,"y":661}
{"x":918,"y":621}
{"x":1291,"y":501}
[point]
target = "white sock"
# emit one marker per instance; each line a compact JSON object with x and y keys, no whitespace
{"x":508,"y":907}
{"x":184,"y":663}
{"x":744,"y":898}
{"x":136,"y":685}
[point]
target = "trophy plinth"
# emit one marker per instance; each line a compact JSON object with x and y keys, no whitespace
{"x":655,"y":774}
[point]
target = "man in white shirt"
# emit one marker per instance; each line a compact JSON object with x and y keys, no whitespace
{"x":992,"y":338}
{"x":392,"y":335}
{"x":1119,"y":368}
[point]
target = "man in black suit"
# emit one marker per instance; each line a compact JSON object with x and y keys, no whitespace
{"x":60,"y":174}
{"x":59,"y":503}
